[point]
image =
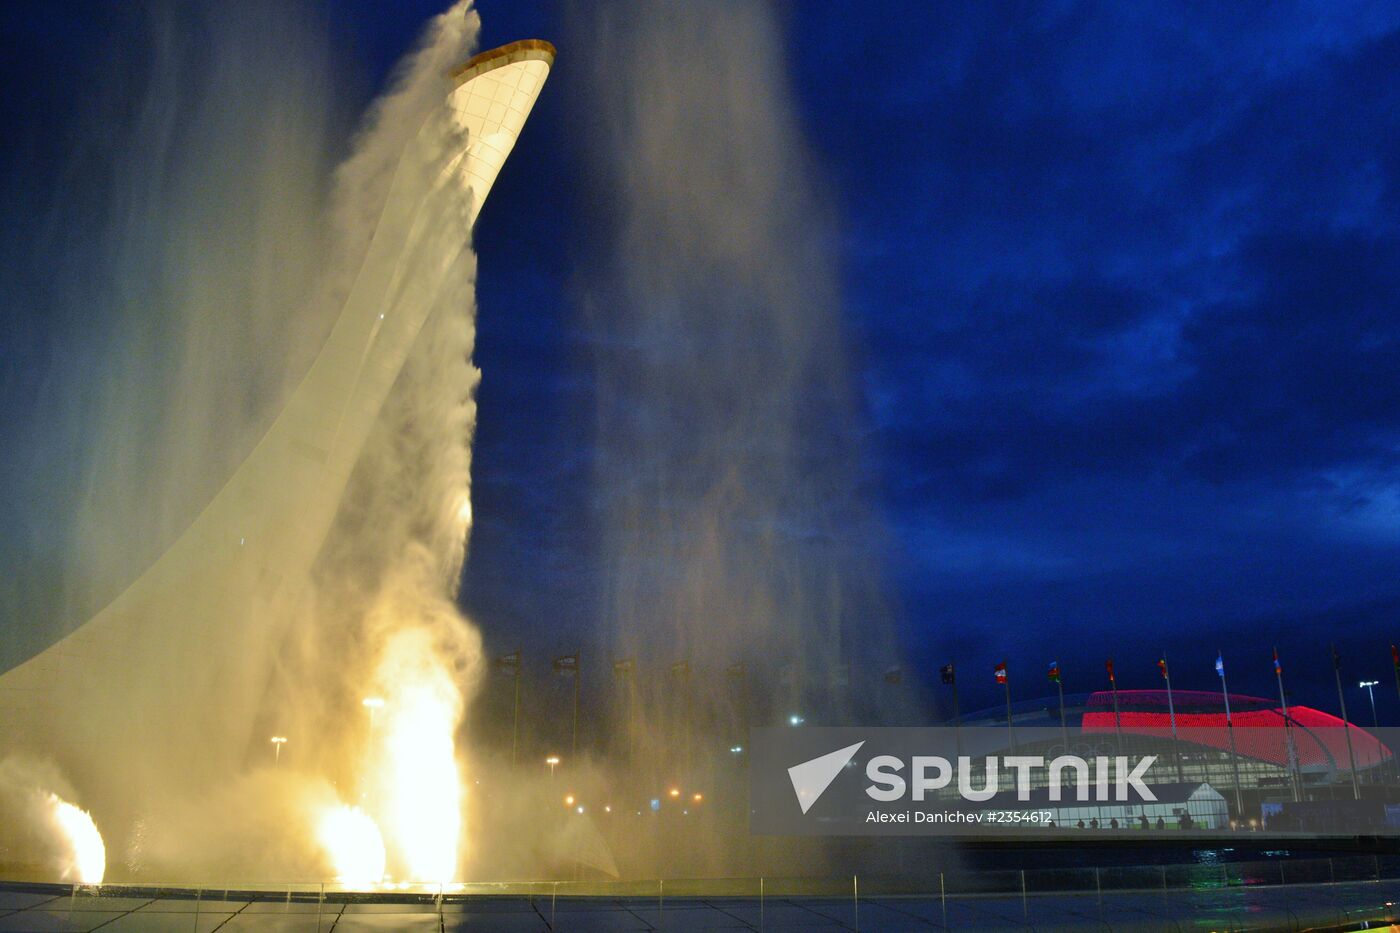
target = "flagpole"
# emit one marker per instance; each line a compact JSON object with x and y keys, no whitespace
{"x":1230,"y":728}
{"x":957,"y":714}
{"x":1293,"y":776}
{"x":632,"y":716}
{"x":515,"y":717}
{"x":625,"y":670}
{"x":1009,"y":727}
{"x":1064,"y":726}
{"x":578,"y":672}
{"x":957,"y":717}
{"x":689,"y":724}
{"x":1346,"y":725}
{"x":1395,"y":663}
{"x":1117,"y":719}
{"x":1171,"y":713}
{"x":1003,"y":676}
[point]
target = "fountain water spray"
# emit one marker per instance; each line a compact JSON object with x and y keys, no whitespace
{"x":327,"y":564}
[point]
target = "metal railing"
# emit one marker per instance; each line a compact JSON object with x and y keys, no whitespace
{"x":844,"y":893}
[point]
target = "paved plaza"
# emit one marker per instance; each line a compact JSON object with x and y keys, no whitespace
{"x":1349,"y":905}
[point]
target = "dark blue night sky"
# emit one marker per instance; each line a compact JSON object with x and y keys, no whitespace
{"x":1123,"y":284}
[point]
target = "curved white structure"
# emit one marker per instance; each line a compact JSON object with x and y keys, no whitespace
{"x":159,"y":691}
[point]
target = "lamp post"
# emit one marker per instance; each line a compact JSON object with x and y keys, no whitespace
{"x":277,"y":742}
{"x":1370,"y":687}
{"x":552,"y":760}
{"x":372,"y":704}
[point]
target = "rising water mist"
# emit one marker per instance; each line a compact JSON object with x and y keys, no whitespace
{"x":739,"y":549}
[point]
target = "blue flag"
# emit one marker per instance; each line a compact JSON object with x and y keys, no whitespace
{"x":1220,"y":664}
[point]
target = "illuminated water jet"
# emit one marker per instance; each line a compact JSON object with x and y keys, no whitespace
{"x":416,"y":788}
{"x":86,"y":861}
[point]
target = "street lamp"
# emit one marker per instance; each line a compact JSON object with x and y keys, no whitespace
{"x":552,"y":760}
{"x":373,"y":704}
{"x":277,"y":742}
{"x":1370,"y":687}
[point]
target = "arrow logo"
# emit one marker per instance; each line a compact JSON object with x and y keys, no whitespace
{"x":811,"y":778}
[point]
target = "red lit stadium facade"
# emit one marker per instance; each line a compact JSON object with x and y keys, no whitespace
{"x":1199,"y":752}
{"x":1261,"y":731}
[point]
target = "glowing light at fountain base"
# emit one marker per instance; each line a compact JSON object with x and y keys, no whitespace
{"x":416,"y":784}
{"x":353,"y":845}
{"x":87,"y":858}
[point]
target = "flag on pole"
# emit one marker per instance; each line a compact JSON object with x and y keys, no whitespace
{"x":1336,"y":658}
{"x":1395,"y":657}
{"x":946,"y":673}
{"x":1220,"y":664}
{"x":509,"y":662}
{"x":894,"y":676}
{"x":1000,"y":672}
{"x":1162,"y":666}
{"x":566,"y":664}
{"x":1054,"y":673}
{"x":1278,"y":666}
{"x":624,"y":667}
{"x":1109,"y":666}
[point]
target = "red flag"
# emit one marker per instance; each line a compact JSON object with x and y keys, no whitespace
{"x":1109,"y":665}
{"x":1395,"y":656}
{"x":1000,"y":671}
{"x":1278,"y":667}
{"x":1162,"y":666}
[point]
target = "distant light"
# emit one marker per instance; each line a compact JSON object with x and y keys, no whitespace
{"x":698,"y":797}
{"x":607,"y":809}
{"x":1370,"y":683}
{"x":569,"y":800}
{"x":552,"y":760}
{"x":373,"y":702}
{"x":381,"y":317}
{"x":580,"y":809}
{"x":675,"y":792}
{"x":655,"y":804}
{"x":278,"y":739}
{"x":795,"y":720}
{"x":736,"y":749}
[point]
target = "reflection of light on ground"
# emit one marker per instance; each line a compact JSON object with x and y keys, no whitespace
{"x":88,"y":854}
